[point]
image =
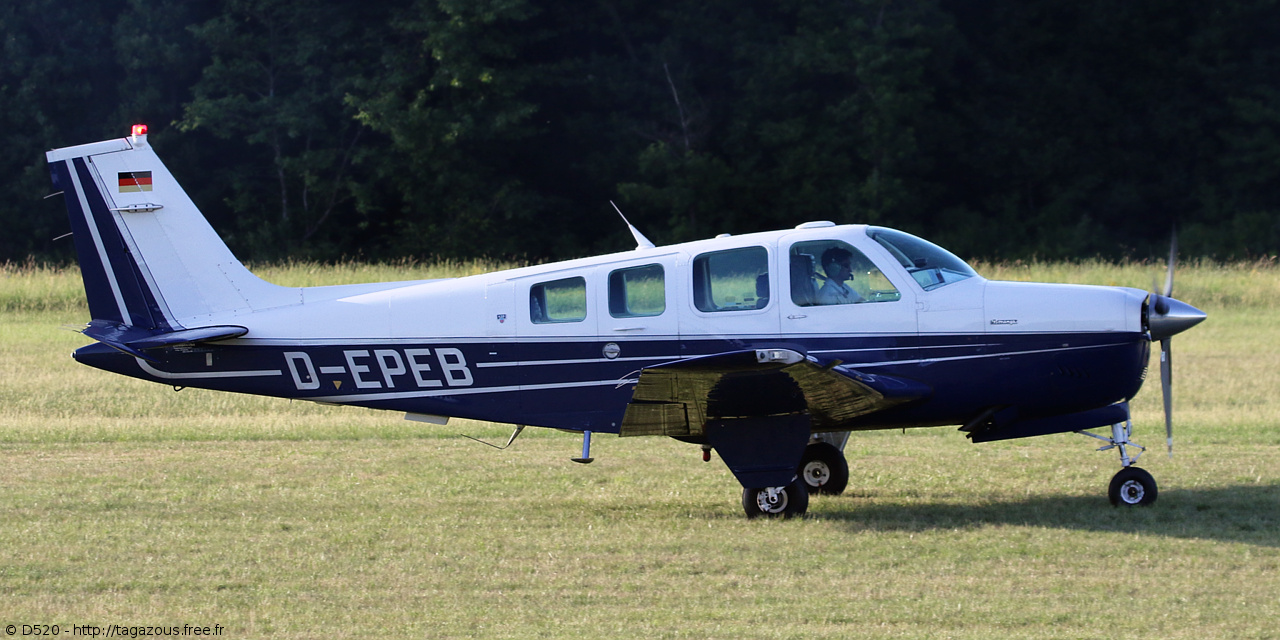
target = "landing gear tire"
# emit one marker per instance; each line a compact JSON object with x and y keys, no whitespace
{"x":824,"y":469}
{"x":780,"y":502}
{"x":1132,"y":487}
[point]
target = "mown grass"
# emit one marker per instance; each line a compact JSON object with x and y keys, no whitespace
{"x":32,"y":286}
{"x":1203,"y":283}
{"x":125,"y":502}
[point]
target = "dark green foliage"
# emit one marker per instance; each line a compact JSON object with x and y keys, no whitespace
{"x":277,"y":83}
{"x":502,"y":128}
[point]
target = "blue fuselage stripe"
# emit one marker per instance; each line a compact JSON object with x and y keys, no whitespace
{"x":572,"y":385}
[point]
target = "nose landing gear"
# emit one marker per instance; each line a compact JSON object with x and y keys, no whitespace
{"x":1131,"y":486}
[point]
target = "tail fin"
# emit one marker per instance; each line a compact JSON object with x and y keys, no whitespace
{"x":148,"y":258}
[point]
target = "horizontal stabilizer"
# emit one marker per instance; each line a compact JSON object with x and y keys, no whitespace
{"x":198,"y":334}
{"x":135,"y":340}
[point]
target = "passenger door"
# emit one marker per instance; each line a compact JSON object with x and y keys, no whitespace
{"x":882,"y":304}
{"x":637,"y":300}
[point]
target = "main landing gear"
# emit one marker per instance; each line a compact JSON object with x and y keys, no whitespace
{"x":822,"y":470}
{"x":776,"y":502}
{"x":1131,"y":486}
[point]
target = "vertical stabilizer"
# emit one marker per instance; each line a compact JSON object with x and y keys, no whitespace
{"x":148,"y":257}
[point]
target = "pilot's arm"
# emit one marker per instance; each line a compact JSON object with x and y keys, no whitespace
{"x":834,"y":292}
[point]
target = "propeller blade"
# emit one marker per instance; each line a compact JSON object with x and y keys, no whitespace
{"x":1173,"y":257}
{"x":1166,"y":389}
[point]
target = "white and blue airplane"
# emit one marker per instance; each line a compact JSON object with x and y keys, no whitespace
{"x":768,"y":348}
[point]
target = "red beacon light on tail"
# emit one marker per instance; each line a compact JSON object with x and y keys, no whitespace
{"x":139,"y":137}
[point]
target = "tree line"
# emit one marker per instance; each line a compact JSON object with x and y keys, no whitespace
{"x":330,"y":129}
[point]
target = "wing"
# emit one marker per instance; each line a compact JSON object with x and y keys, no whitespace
{"x":679,"y":398}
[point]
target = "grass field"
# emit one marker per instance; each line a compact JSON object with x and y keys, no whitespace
{"x":123,"y":502}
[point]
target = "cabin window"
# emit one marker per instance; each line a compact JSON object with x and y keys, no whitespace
{"x":733,"y":280}
{"x":930,"y":265}
{"x":637,"y":292}
{"x":558,"y":301}
{"x":825,"y":272}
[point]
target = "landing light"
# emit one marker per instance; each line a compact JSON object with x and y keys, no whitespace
{"x":139,"y":129}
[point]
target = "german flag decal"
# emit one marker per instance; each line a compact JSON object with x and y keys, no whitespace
{"x":134,"y":181}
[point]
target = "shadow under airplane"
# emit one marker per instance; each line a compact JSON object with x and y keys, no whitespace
{"x":1248,"y":514}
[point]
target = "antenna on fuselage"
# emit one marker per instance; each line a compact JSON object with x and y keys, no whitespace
{"x":641,"y":241}
{"x":515,"y":434}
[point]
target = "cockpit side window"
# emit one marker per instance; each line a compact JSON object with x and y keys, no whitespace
{"x":930,"y":265}
{"x":558,"y":301}
{"x":637,"y":292}
{"x":825,"y":272}
{"x":732,"y":280}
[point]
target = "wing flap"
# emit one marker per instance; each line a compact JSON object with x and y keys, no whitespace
{"x":657,"y":419}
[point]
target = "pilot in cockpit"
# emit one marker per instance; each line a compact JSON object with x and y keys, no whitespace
{"x":838,"y":265}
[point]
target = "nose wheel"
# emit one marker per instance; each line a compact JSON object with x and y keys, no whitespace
{"x":1131,"y":486}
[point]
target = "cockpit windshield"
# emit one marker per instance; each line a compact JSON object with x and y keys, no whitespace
{"x":931,"y":265}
